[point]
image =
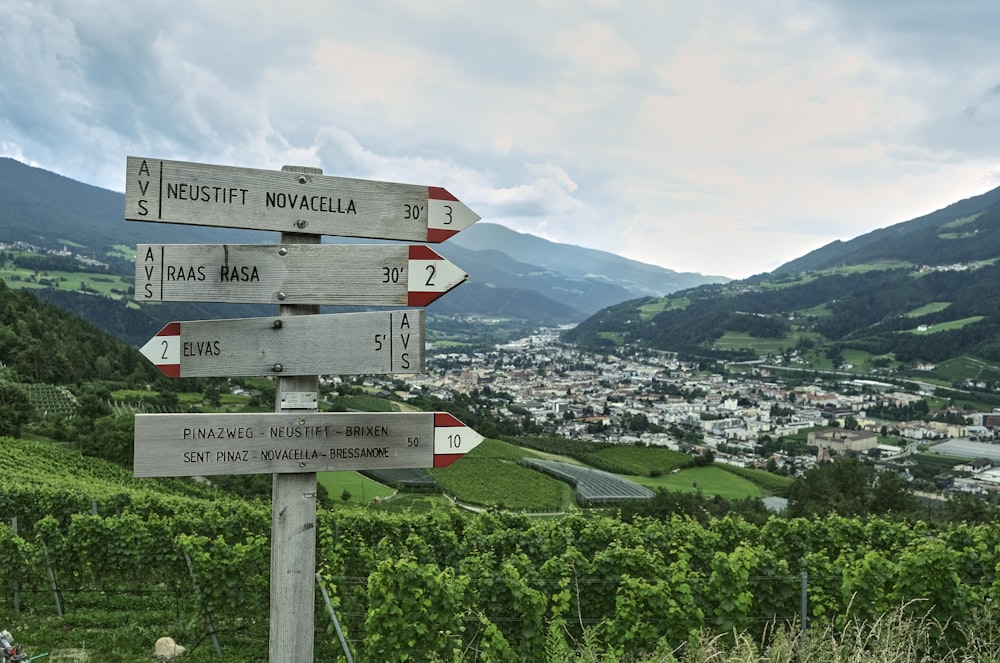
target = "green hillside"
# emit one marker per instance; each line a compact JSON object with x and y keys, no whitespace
{"x":890,"y":302}
{"x":871,"y":320}
{"x":42,"y":343}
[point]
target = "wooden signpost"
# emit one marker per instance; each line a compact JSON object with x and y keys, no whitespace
{"x":373,"y":342}
{"x":289,"y":201}
{"x":174,"y":445}
{"x":330,"y":274}
{"x":297,"y":345}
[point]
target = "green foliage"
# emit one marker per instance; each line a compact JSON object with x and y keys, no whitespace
{"x":414,"y":609}
{"x":490,"y":475}
{"x":498,"y":586}
{"x":16,"y":409}
{"x":843,"y":488}
{"x":42,"y":343}
{"x":638,"y":460}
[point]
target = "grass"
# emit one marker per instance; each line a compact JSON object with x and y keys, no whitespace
{"x":105,"y":284}
{"x":770,"y":346}
{"x":964,"y":367}
{"x":640,"y":460}
{"x":614,"y":337}
{"x":961,"y":222}
{"x":708,"y":480}
{"x":124,"y":629}
{"x":771,"y":482}
{"x":864,"y":362}
{"x":820,"y":311}
{"x":650,"y":311}
{"x":927,"y":309}
{"x":490,"y":475}
{"x":362,"y":489}
{"x":414,"y":503}
{"x":945,"y":326}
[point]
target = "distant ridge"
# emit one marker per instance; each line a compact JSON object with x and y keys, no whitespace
{"x":579,"y":262}
{"x":917,"y":240}
{"x":916,"y":298}
{"x":513,"y":275}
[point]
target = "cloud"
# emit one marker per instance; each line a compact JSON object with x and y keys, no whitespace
{"x":708,"y":136}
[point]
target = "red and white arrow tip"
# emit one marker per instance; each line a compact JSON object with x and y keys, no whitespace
{"x":430,"y":276}
{"x":164,"y":349}
{"x":452,"y":439}
{"x":447,"y":215}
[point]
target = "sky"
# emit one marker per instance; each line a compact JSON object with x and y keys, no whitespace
{"x":724,"y":137}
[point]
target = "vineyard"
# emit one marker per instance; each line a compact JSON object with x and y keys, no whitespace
{"x":493,"y":586}
{"x":50,"y":400}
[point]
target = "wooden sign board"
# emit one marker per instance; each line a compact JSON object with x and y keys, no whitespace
{"x":170,"y":445}
{"x":284,"y":201}
{"x":377,"y":342}
{"x":321,"y":274}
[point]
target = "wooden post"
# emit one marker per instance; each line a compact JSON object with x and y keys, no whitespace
{"x":17,"y":576}
{"x":293,"y":512}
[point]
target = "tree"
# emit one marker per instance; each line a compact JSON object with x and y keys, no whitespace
{"x":15,"y":409}
{"x":112,"y":438}
{"x":843,"y":488}
{"x":892,"y":495}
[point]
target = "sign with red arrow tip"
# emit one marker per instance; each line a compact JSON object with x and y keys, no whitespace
{"x":198,"y":194}
{"x":321,"y":274}
{"x":378,"y":342}
{"x":278,"y":443}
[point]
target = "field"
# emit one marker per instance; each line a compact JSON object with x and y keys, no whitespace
{"x":966,"y":368}
{"x":761,"y":346}
{"x":932,"y":307}
{"x":639,"y":460}
{"x":708,"y":480}
{"x":649,"y":311}
{"x":819,"y":311}
{"x":490,"y":475}
{"x":945,"y":326}
{"x":362,"y":489}
{"x":103,"y":283}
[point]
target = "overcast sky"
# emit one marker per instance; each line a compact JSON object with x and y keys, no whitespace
{"x":724,"y":137}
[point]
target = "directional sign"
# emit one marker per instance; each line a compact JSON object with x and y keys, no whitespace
{"x":333,"y":274}
{"x":379,"y":342}
{"x":278,"y":443}
{"x":207,"y":195}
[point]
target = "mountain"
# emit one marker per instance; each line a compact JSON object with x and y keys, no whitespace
{"x":599,"y":269}
{"x":918,"y":297}
{"x":513,"y":275}
{"x":44,"y":209}
{"x":961,"y":232}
